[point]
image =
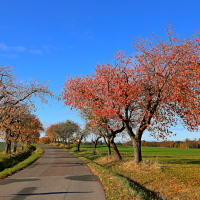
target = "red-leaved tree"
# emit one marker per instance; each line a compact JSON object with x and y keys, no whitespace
{"x":150,"y":91}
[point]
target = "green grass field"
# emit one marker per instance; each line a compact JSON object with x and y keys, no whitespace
{"x":164,"y":155}
{"x":3,"y":145}
{"x":170,"y":172}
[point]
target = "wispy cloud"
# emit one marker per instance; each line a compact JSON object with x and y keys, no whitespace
{"x":5,"y":47}
{"x":9,"y":55}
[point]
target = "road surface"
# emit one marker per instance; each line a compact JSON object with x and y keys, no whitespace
{"x":56,"y":175}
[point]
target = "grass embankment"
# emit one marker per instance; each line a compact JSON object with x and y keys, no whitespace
{"x":170,"y":173}
{"x":14,"y":162}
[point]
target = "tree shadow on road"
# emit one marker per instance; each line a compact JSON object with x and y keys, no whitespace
{"x":83,"y":178}
{"x":10,"y":180}
{"x":29,"y":191}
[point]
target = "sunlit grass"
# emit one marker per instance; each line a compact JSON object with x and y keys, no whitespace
{"x":171,"y":173}
{"x":12,"y":163}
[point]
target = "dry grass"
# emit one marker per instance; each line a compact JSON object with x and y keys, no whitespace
{"x":63,"y":145}
{"x":154,"y":176}
{"x":127,"y":164}
{"x":107,"y":161}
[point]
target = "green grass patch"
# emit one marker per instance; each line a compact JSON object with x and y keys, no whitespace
{"x":3,"y":146}
{"x":14,"y":162}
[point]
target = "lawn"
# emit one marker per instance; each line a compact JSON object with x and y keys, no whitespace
{"x":170,"y":172}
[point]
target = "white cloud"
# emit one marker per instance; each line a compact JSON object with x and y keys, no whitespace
{"x":5,"y":47}
{"x":9,"y":55}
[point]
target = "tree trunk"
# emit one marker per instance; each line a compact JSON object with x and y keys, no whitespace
{"x":8,"y":147}
{"x":108,"y":145}
{"x":95,"y":146}
{"x":137,"y":149}
{"x":15,"y":146}
{"x":68,"y":143}
{"x":136,"y":141}
{"x":79,"y":143}
{"x":115,"y":149}
{"x":109,"y":150}
{"x":8,"y":143}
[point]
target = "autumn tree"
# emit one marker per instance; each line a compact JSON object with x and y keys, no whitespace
{"x":13,"y":92}
{"x":32,"y":129}
{"x":20,"y":125}
{"x":10,"y":124}
{"x":45,"y":140}
{"x":152,"y":93}
{"x":51,"y":134}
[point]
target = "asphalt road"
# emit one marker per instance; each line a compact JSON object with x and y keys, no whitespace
{"x":56,"y":175}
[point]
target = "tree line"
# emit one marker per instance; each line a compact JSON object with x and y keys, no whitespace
{"x":17,"y":122}
{"x":150,"y":90}
{"x":187,"y":143}
{"x":68,"y":132}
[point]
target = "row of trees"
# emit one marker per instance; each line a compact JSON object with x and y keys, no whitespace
{"x":68,"y":132}
{"x":151,"y":90}
{"x":171,"y":144}
{"x":64,"y":132}
{"x":17,"y":123}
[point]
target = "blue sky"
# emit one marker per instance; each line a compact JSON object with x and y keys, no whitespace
{"x":51,"y":39}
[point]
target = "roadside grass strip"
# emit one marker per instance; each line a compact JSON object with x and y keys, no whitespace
{"x":117,"y":186}
{"x":35,"y":152}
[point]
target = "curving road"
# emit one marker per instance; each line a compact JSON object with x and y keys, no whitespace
{"x":56,"y":175}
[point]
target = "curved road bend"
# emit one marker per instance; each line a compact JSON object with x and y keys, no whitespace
{"x":56,"y":175}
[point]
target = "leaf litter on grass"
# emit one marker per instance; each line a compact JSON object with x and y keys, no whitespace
{"x":169,"y":181}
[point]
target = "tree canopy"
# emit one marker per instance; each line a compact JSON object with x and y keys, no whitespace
{"x":151,"y":90}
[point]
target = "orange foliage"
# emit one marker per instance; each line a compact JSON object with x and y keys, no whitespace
{"x":44,"y":140}
{"x":50,"y":133}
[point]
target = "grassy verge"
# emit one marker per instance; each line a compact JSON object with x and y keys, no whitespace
{"x":12,"y":163}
